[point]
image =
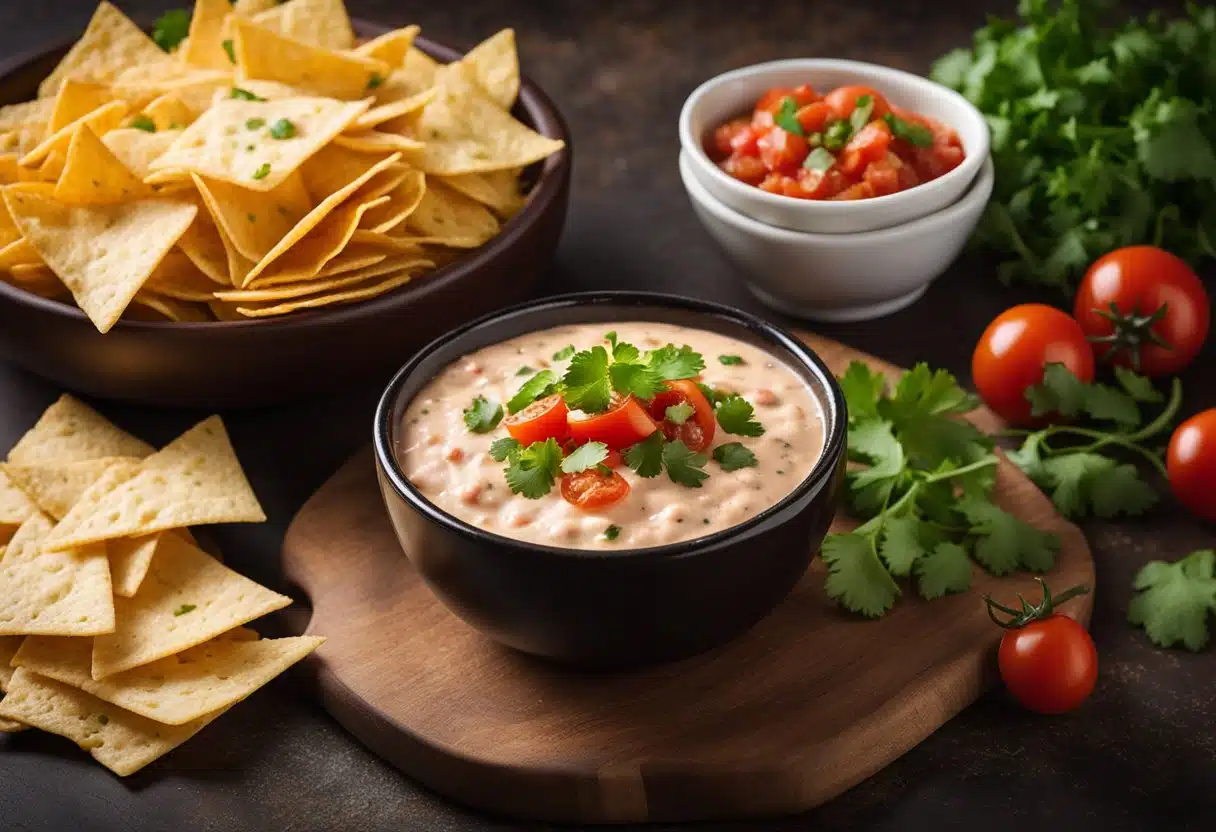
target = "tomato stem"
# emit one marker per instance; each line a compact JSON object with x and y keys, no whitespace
{"x":1131,"y":331}
{"x":1019,"y":618}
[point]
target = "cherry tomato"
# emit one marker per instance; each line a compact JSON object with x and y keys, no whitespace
{"x":623,"y":425}
{"x":1144,"y":308}
{"x":1011,"y":353}
{"x":747,"y":169}
{"x":869,"y":145}
{"x":591,"y":490}
{"x":1191,"y":463}
{"x":1049,"y":665}
{"x":697,"y":432}
{"x":843,"y":101}
{"x":538,"y":421}
{"x":781,"y":150}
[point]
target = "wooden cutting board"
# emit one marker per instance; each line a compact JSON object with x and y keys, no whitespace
{"x":807,"y":704}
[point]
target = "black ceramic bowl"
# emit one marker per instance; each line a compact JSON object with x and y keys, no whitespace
{"x":621,"y":608}
{"x":258,"y":362}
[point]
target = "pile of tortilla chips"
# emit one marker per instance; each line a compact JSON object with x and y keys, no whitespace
{"x":267,"y":164}
{"x":116,"y":630}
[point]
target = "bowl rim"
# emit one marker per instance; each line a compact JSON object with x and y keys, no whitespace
{"x":835,"y":412}
{"x":980,"y":190}
{"x":555,"y":171}
{"x":866,"y":71}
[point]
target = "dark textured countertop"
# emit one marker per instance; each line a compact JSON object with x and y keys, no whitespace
{"x":1140,"y":755}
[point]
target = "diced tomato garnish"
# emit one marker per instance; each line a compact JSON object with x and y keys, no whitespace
{"x":538,"y":421}
{"x":907,"y":177}
{"x":781,"y":150}
{"x":747,"y":169}
{"x":869,"y":145}
{"x":623,"y":425}
{"x":698,"y":430}
{"x":816,"y":184}
{"x":813,"y":117}
{"x":744,"y":142}
{"x":883,"y":176}
{"x":843,"y":101}
{"x":932,"y":162}
{"x":861,"y":190}
{"x":724,"y":137}
{"x":591,"y":490}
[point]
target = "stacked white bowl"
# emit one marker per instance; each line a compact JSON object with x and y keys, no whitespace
{"x":835,"y":260}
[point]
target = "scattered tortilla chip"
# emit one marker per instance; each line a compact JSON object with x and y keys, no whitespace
{"x":93,"y":175}
{"x":322,"y":23}
{"x":8,"y":648}
{"x":264,"y":55}
{"x":104,"y":119}
{"x":27,"y":112}
{"x":75,"y":100}
{"x":169,"y":112}
{"x":363,"y":292}
{"x":194,"y":480}
{"x":284,"y":290}
{"x":188,"y":598}
{"x":138,"y":149}
{"x":168,"y":309}
{"x":204,"y":47}
{"x":110,"y":44}
{"x":71,"y":431}
{"x":495,"y":64}
{"x":466,"y":132}
{"x":15,"y":505}
{"x":178,"y":689}
{"x":204,"y":246}
{"x":215,"y":145}
{"x":255,"y":220}
{"x":497,"y":190}
{"x":443,"y":211}
{"x":64,"y":593}
{"x":104,"y":253}
{"x":394,"y":109}
{"x":55,"y":486}
{"x":121,"y":741}
{"x":390,"y":47}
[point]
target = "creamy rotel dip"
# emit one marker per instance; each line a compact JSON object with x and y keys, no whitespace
{"x":451,"y":465}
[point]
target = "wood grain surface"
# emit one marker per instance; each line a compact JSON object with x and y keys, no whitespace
{"x":807,"y":704}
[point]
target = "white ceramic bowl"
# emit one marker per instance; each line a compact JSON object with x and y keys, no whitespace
{"x":735,"y":93}
{"x":840,"y":277}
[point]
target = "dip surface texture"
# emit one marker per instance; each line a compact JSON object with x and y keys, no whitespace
{"x":452,"y":467}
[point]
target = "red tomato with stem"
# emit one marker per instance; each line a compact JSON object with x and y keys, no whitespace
{"x":1011,"y":354}
{"x":591,"y":490}
{"x":618,"y":427}
{"x":1143,"y":308}
{"x":697,"y":432}
{"x":781,"y":150}
{"x":1047,"y":660}
{"x":843,"y":101}
{"x":541,"y":420}
{"x":1190,"y":462}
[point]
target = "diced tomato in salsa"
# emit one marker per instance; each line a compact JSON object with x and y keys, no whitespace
{"x":799,"y":144}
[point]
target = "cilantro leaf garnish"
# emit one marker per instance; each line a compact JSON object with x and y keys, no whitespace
{"x":1062,"y":392}
{"x":623,"y":352}
{"x":585,"y":456}
{"x":263,"y":171}
{"x":732,"y":456}
{"x":856,"y":577}
{"x":142,"y":122}
{"x":503,"y":449}
{"x":730,"y":360}
{"x":255,"y":123}
{"x":564,"y":353}
{"x":646,"y":457}
{"x":944,"y":570}
{"x":862,"y":389}
{"x":836,"y":136}
{"x":524,"y":371}
{"x":531,"y":471}
{"x":678,"y":414}
{"x":683,"y":465}
{"x":282,"y":129}
{"x":1174,"y":600}
{"x":634,"y":379}
{"x":374,"y":80}
{"x":910,"y":131}
{"x":531,"y":390}
{"x":227,"y":44}
{"x":183,"y":609}
{"x":482,"y":416}
{"x":787,"y":117}
{"x":901,"y":543}
{"x":735,"y":416}
{"x":612,"y":532}
{"x":171,"y":28}
{"x":671,"y":362}
{"x":1137,"y":386}
{"x":1004,"y":543}
{"x":819,"y":159}
{"x":863,"y":108}
{"x":587,"y":386}
{"x":244,"y":95}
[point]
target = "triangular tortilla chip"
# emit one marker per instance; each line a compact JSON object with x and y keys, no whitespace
{"x":497,"y":190}
{"x":71,"y":431}
{"x":374,"y":141}
{"x":188,"y":598}
{"x":178,"y":689}
{"x":104,"y":119}
{"x":266,"y":56}
{"x":26,"y":112}
{"x":93,"y":175}
{"x":284,"y":290}
{"x":365,"y":291}
{"x":166,"y":309}
{"x":21,"y":140}
{"x":178,"y":278}
{"x":138,"y":149}
{"x":318,"y":22}
{"x":130,"y":560}
{"x":16,"y":506}
{"x":321,"y":245}
{"x":394,"y":109}
{"x":352,"y":258}
{"x":403,"y":201}
{"x":255,"y":220}
{"x":121,"y":741}
{"x":8,"y":648}
{"x":390,"y":47}
{"x":110,"y":44}
{"x":17,"y":253}
{"x":204,"y":47}
{"x":207,"y":147}
{"x":442,"y":211}
{"x":56,"y":486}
{"x":75,"y":100}
{"x":495,"y":66}
{"x":103,"y":253}
{"x":59,"y":594}
{"x":169,"y":112}
{"x":204,"y":246}
{"x":248,"y":8}
{"x":194,"y":480}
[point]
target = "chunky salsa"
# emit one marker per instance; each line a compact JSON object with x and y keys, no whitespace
{"x":848,"y":144}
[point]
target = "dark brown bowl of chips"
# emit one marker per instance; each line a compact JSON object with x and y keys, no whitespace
{"x":262,"y":361}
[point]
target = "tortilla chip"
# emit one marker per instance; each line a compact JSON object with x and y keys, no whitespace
{"x":204,"y":47}
{"x":352,"y":258}
{"x":178,"y":689}
{"x":64,"y":593}
{"x":497,"y":190}
{"x":334,"y":168}
{"x":71,"y":431}
{"x":316,"y":215}
{"x":403,"y":201}
{"x":442,"y":211}
{"x":104,"y":119}
{"x":75,"y":100}
{"x":363,"y":292}
{"x":264,"y":55}
{"x":215,"y":145}
{"x":390,"y":47}
{"x":27,"y":112}
{"x":466,"y":132}
{"x":194,"y":480}
{"x":255,"y":220}
{"x":317,"y":286}
{"x":168,"y":309}
{"x":495,"y":66}
{"x":179,"y":279}
{"x":269,"y":90}
{"x":394,"y":109}
{"x":317,"y":248}
{"x":15,"y":505}
{"x":374,"y":141}
{"x":318,"y":22}
{"x":55,"y":486}
{"x":17,"y":253}
{"x":204,"y":246}
{"x":103,"y":253}
{"x":110,"y":44}
{"x":193,"y":86}
{"x":121,"y":741}
{"x":248,"y":8}
{"x":130,"y":560}
{"x":21,"y":140}
{"x":8,"y":648}
{"x":405,"y":242}
{"x":169,"y":112}
{"x":138,"y":149}
{"x":188,"y":598}
{"x":93,"y":175}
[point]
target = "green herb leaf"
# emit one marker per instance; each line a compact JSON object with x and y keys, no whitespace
{"x":901,"y":543}
{"x":263,"y":171}
{"x":862,"y":389}
{"x":862,"y":110}
{"x":255,"y":123}
{"x":282,"y":129}
{"x":612,"y":532}
{"x":837,"y":135}
{"x":732,"y":456}
{"x":244,"y":95}
{"x":171,"y":28}
{"x":857,"y":580}
{"x":730,"y":360}
{"x":142,"y":122}
{"x":671,"y":362}
{"x":588,"y":387}
{"x":1063,"y":393}
{"x":1005,"y":543}
{"x":374,"y":81}
{"x":683,"y":465}
{"x":183,"y":609}
{"x":524,"y":371}
{"x":915,"y":134}
{"x":678,"y":414}
{"x":532,"y":470}
{"x":819,"y":159}
{"x":787,"y":117}
{"x":646,"y":457}
{"x":503,"y":449}
{"x":227,"y":44}
{"x":1139,"y":387}
{"x":564,"y":353}
{"x":482,"y":416}
{"x":735,"y":416}
{"x":634,"y":379}
{"x":945,"y":570}
{"x":531,"y":390}
{"x":1174,"y":600}
{"x":585,"y":456}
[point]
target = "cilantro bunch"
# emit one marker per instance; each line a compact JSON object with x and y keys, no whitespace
{"x":1101,"y":137}
{"x":1070,"y":461}
{"x":1175,"y":600}
{"x":923,"y":479}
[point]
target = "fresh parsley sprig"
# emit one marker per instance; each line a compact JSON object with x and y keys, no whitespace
{"x":1174,"y":600}
{"x":482,"y":415}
